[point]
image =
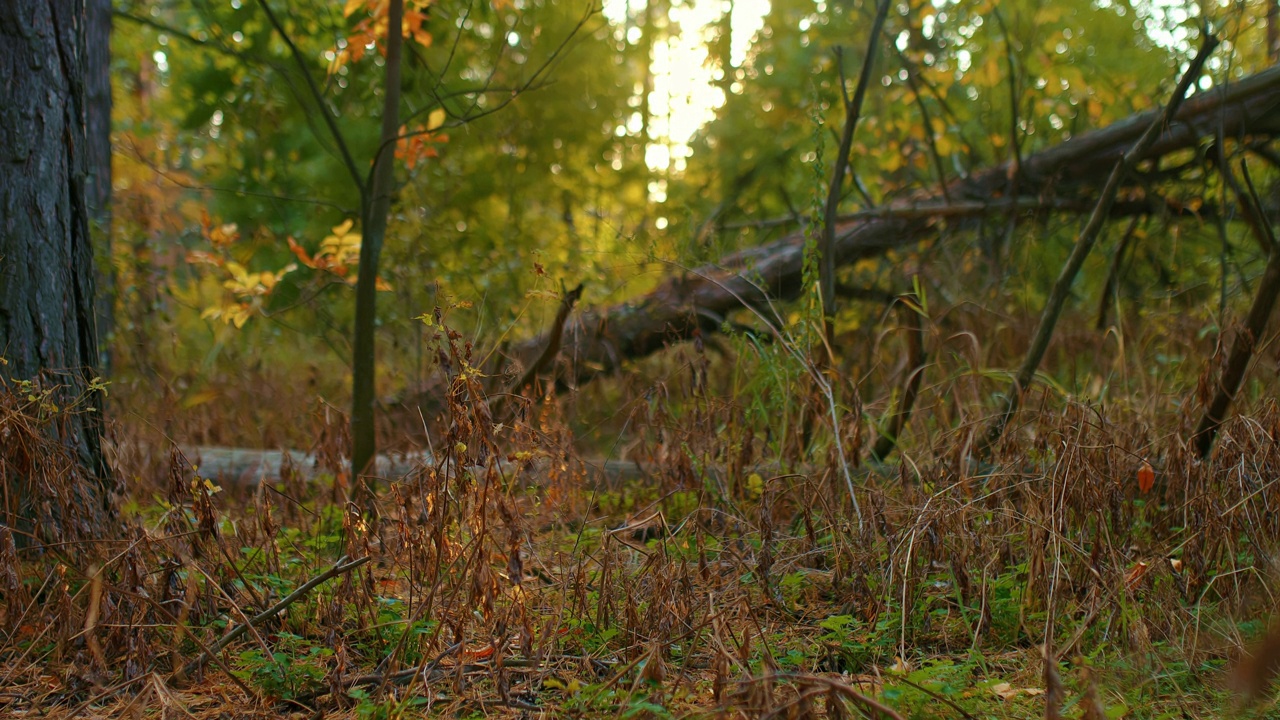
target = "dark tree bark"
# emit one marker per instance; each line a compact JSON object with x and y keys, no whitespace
{"x":46,"y":266}
{"x":852,"y":113}
{"x":97,"y":84}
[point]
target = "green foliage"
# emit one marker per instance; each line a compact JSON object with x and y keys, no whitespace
{"x":291,"y":668}
{"x":519,"y":190}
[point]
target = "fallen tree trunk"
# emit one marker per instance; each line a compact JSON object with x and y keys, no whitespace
{"x":246,"y":468}
{"x":598,"y":341}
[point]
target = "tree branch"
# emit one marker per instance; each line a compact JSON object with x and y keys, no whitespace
{"x":1246,"y":341}
{"x":319,"y":99}
{"x":604,"y":338}
{"x":1088,"y":238}
{"x":338,"y":568}
{"x":852,"y":111}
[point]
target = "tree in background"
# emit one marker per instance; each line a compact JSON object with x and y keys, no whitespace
{"x":543,"y":175}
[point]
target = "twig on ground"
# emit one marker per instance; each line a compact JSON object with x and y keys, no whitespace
{"x":845,"y":690}
{"x":338,"y":568}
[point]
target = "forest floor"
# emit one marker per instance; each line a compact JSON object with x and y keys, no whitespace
{"x":1086,"y":570}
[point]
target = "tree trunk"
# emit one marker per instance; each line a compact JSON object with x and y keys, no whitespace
{"x":46,"y":273}
{"x":364,"y":446}
{"x":97,"y":85}
{"x":1273,"y":31}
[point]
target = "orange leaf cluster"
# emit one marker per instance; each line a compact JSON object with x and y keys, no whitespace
{"x":370,"y":31}
{"x":416,"y":148}
{"x":219,"y":236}
{"x":247,"y":291}
{"x":420,"y":141}
{"x":338,"y":253}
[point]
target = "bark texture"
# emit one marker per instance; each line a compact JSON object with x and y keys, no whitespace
{"x":46,"y":266}
{"x":97,"y":86}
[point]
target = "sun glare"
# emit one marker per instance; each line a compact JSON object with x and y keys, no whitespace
{"x":683,"y":97}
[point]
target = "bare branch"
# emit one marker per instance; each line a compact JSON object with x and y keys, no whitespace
{"x":852,"y":111}
{"x":1242,"y":349}
{"x":1088,"y":238}
{"x":338,"y":568}
{"x":319,"y":99}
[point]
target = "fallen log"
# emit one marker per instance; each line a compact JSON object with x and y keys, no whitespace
{"x":598,"y":341}
{"x":246,"y":468}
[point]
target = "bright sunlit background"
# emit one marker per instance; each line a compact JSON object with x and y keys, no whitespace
{"x":683,"y":96}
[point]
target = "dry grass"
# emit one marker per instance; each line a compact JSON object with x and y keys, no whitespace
{"x":734,"y":580}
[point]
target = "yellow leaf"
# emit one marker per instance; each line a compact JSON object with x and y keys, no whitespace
{"x":241,"y":280}
{"x":200,"y":256}
{"x":435,"y":119}
{"x":1004,"y":690}
{"x":553,"y":682}
{"x":351,"y":7}
{"x":239,"y":315}
{"x":199,"y":398}
{"x":224,"y":235}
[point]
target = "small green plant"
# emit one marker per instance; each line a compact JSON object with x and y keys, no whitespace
{"x":844,"y":649}
{"x":291,"y":669}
